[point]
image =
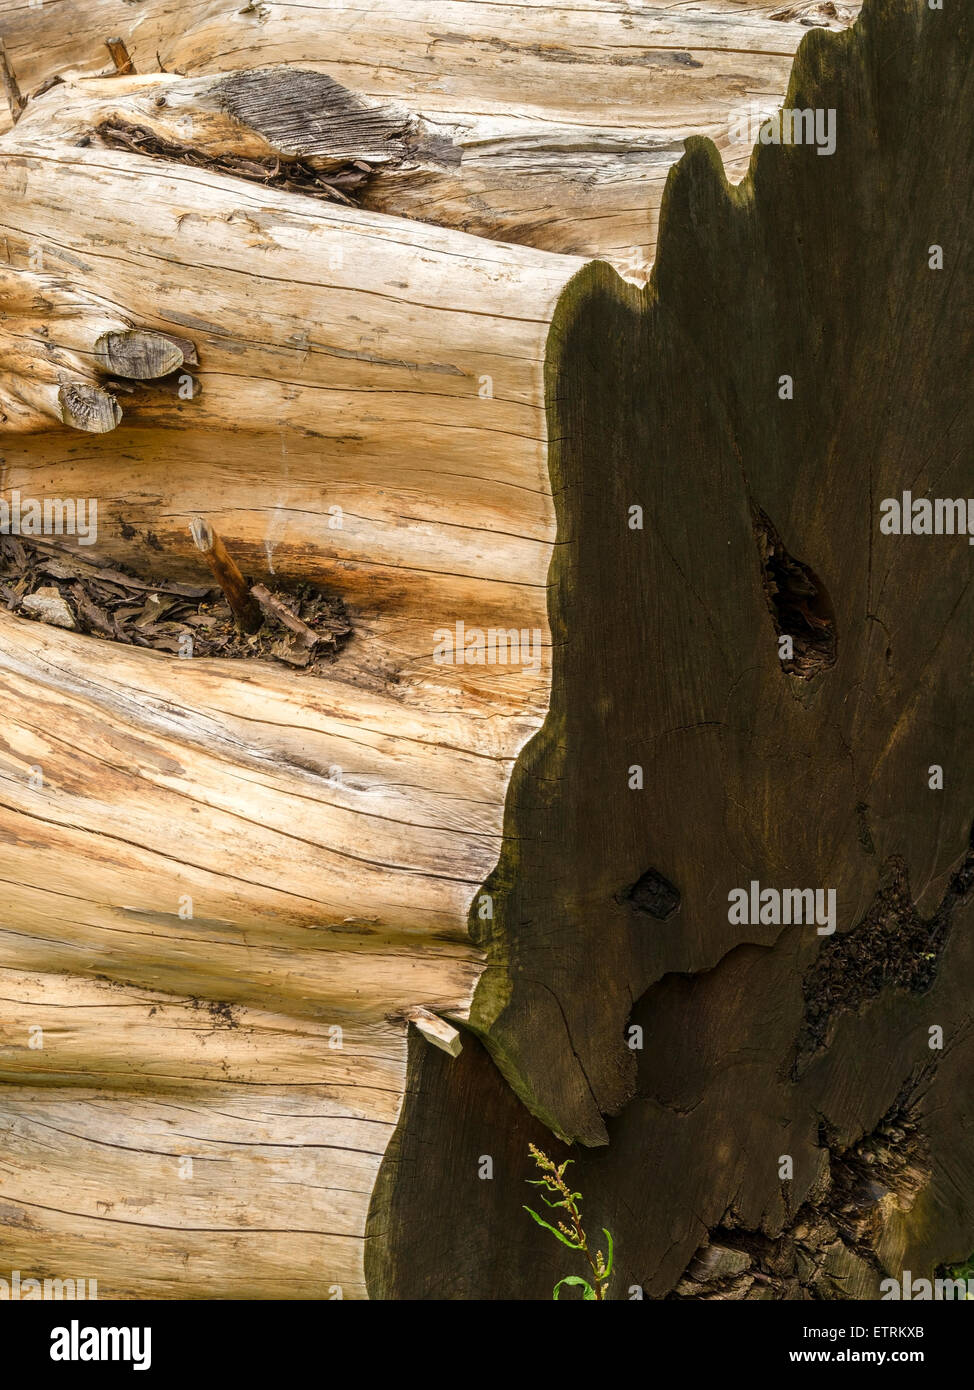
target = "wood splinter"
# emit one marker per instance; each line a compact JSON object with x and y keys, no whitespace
{"x":15,"y":98}
{"x":120,"y":56}
{"x":436,"y":1030}
{"x":227,"y":574}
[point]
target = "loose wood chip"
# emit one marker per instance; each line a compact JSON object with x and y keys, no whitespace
{"x":49,"y":607}
{"x":437,"y":1031}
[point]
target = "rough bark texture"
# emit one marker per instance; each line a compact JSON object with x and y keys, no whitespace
{"x":316,"y":282}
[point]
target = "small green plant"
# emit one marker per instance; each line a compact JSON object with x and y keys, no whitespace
{"x":963,"y":1272}
{"x":570,"y":1232}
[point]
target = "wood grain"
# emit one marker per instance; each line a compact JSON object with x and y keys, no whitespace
{"x":542,"y":124}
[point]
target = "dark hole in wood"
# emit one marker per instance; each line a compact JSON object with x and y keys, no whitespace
{"x":653,"y":894}
{"x":799,"y":603}
{"x":892,"y":947}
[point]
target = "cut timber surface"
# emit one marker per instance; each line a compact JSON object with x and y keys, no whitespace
{"x":284,"y":955}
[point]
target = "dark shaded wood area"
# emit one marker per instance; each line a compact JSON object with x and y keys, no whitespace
{"x":882,"y":1177}
{"x":760,"y":518}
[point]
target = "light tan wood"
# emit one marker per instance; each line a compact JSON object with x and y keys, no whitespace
{"x":163,"y":1145}
{"x":271,"y":1206}
{"x":370,"y":410}
{"x":297,"y":852}
{"x":559,"y":123}
{"x":335,"y":903}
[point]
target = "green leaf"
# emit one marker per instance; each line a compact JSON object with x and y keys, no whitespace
{"x":551,"y":1204}
{"x":543,"y":1182}
{"x":608,"y":1263}
{"x":563,"y":1238}
{"x":587,"y":1297}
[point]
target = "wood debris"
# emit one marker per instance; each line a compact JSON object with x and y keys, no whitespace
{"x":53,"y":584}
{"x":294,"y":175}
{"x":48,"y":605}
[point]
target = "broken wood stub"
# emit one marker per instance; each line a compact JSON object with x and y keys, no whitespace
{"x":88,"y":408}
{"x":437,"y":1031}
{"x":227,"y":574}
{"x":137,"y":354}
{"x":15,"y":98}
{"x":120,"y":56}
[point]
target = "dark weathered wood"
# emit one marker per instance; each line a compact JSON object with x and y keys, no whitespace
{"x":760,"y":519}
{"x":699,"y":1131}
{"x":88,"y":408}
{"x":138,"y":354}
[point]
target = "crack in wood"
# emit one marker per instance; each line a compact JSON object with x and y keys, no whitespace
{"x":338,"y":185}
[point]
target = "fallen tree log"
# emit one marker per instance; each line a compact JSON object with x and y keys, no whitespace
{"x":628,"y":640}
{"x":552,"y":126}
{"x":363,"y":409}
